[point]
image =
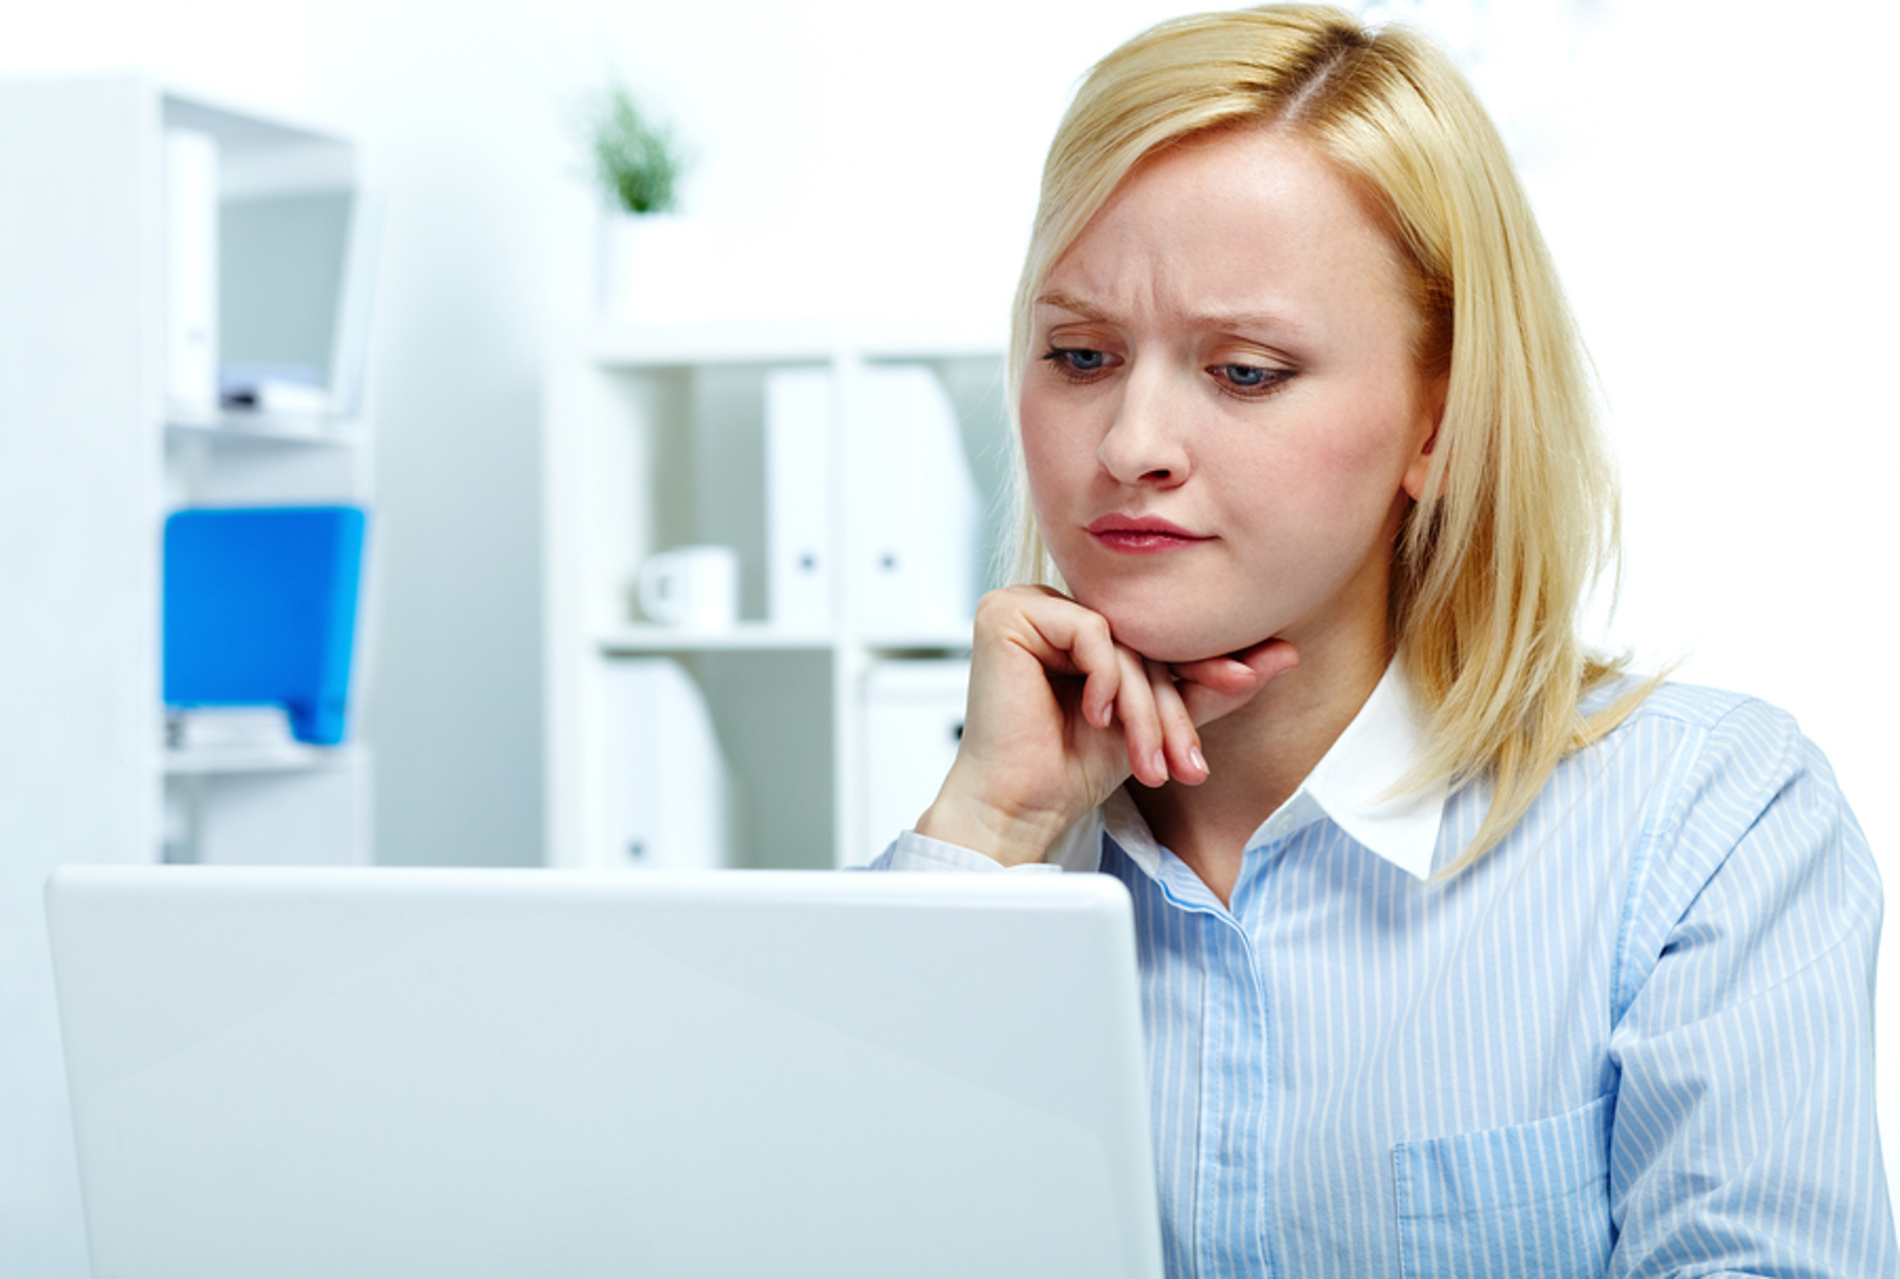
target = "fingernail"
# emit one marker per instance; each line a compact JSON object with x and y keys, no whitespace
{"x":1194,"y":755}
{"x":1160,"y":762}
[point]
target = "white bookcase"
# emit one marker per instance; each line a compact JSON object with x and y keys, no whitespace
{"x":103,"y":432}
{"x":655,"y":438}
{"x":91,"y":460}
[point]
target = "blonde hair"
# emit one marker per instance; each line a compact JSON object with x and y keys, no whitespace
{"x":1519,"y":512}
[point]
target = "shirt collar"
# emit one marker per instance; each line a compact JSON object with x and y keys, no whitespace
{"x":1353,"y":784}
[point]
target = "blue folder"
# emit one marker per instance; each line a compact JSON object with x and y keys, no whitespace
{"x":260,"y":610}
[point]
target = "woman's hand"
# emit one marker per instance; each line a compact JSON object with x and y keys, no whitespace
{"x":1060,"y":715}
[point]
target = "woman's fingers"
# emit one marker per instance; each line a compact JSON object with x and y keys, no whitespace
{"x":1060,"y":714}
{"x":1180,"y":698}
{"x":1158,"y":707}
{"x":1092,"y":650}
{"x":1218,"y":685}
{"x":1181,"y":740}
{"x":1041,"y":744}
{"x":1141,"y":721}
{"x":1064,"y":639}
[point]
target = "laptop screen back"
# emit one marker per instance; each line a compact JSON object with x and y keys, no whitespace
{"x":474,"y":1073}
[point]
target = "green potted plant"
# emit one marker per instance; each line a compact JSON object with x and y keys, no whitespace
{"x":645,"y":246}
{"x":635,"y":157}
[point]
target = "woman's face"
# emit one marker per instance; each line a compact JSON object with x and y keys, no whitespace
{"x":1226,"y":420}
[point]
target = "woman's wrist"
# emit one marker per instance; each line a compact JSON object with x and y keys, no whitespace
{"x":1012,"y":837}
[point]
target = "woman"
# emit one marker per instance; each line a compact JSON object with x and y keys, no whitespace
{"x":1462,"y":952}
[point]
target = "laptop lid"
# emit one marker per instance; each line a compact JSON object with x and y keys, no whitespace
{"x":410,"y":1072}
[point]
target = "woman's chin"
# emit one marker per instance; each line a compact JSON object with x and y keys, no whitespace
{"x":1175,"y":644}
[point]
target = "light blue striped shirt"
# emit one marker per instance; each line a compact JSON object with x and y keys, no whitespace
{"x":1635,"y":1038}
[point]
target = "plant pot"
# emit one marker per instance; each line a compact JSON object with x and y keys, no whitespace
{"x":653,"y":267}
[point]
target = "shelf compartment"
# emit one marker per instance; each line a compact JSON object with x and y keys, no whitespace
{"x":656,"y":438}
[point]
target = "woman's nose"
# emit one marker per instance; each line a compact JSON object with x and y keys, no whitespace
{"x":1144,"y":443}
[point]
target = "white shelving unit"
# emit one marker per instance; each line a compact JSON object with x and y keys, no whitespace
{"x":89,"y":466}
{"x":654,"y":439}
{"x":89,"y":156}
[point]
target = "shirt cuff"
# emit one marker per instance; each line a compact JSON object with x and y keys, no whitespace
{"x":920,"y":852}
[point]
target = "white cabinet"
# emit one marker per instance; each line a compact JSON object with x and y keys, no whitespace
{"x":105,"y":436}
{"x":656,"y":437}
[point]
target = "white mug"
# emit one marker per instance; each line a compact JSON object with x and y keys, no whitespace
{"x":691,"y":586}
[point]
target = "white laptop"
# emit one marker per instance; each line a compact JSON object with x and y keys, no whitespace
{"x":465,"y":1073}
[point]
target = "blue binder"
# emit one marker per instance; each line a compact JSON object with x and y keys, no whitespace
{"x":260,"y":609}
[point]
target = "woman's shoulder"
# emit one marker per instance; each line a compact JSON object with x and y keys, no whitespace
{"x":1694,"y":706}
{"x":1715,"y":764}
{"x":1698,"y":717}
{"x":1708,"y":754}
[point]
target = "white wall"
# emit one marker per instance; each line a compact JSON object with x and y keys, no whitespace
{"x":1713,"y":191}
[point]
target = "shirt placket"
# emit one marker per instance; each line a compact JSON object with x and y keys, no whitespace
{"x":1230,"y":1199}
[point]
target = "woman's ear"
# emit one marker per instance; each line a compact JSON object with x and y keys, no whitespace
{"x":1430,"y":421}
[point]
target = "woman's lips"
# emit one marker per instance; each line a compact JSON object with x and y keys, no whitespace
{"x":1141,"y":534}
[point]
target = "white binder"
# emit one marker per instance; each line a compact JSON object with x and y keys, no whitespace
{"x":912,"y":510}
{"x":798,"y":408}
{"x":191,"y":273}
{"x":913,"y":720}
{"x":911,"y":517}
{"x":670,"y":802}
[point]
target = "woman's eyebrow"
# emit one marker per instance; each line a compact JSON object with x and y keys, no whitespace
{"x":1242,"y":320}
{"x":1073,"y":305}
{"x":1225,"y":321}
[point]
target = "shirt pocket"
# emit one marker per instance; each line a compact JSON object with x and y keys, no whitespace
{"x":1528,"y":1200}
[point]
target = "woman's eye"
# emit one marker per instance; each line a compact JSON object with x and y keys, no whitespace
{"x":1078,"y":362}
{"x":1250,"y":378}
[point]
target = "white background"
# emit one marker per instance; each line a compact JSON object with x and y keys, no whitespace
{"x":1716,"y":181}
